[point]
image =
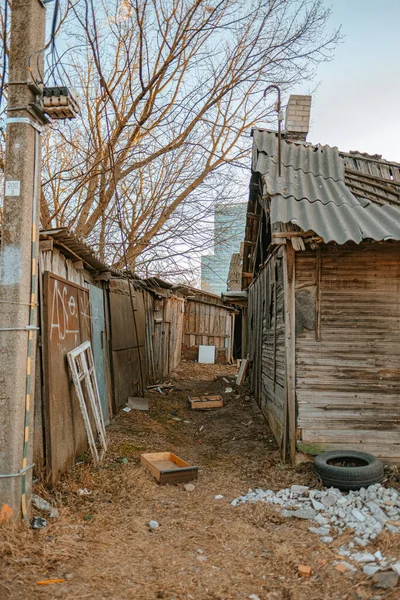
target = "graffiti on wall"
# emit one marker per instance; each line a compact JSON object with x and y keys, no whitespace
{"x":69,"y":311}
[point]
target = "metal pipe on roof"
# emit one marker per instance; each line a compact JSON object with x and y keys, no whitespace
{"x":278,"y":110}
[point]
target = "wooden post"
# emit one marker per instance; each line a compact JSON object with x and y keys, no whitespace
{"x":275,"y":316}
{"x":290,"y":347}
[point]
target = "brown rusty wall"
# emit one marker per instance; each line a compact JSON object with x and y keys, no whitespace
{"x":348,"y":383}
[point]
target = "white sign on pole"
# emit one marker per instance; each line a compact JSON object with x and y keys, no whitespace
{"x":13,"y":188}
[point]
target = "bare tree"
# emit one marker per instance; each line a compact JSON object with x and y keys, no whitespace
{"x":170,"y":89}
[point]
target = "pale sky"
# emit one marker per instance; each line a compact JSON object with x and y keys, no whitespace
{"x":357,"y":104}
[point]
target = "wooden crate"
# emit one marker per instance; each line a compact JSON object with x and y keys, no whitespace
{"x":205,"y":402}
{"x":166,"y":467}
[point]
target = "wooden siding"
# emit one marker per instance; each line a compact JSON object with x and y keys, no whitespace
{"x":164,"y":330}
{"x":266,"y":341}
{"x":128,"y":339}
{"x":208,"y":325}
{"x":348,"y":383}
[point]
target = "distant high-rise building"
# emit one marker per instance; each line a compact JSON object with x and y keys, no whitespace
{"x":229,"y":225}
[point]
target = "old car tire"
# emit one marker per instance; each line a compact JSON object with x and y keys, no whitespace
{"x":363,"y":469}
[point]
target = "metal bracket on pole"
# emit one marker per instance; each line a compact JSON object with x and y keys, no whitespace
{"x":25,"y":120}
{"x":21,"y":472}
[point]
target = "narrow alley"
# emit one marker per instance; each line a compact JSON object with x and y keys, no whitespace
{"x":204,"y":548}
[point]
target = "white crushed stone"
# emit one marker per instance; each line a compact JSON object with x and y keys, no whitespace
{"x":367,"y":512}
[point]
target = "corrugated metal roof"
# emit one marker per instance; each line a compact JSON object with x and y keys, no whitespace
{"x":312,"y":193}
{"x":319,"y":160}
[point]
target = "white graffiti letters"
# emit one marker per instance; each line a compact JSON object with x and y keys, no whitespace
{"x":63,"y":312}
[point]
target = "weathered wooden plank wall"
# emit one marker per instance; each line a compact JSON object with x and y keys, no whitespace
{"x":67,"y":323}
{"x":266,"y":342}
{"x":164,"y":331}
{"x":128,"y":339}
{"x":52,"y":449}
{"x":348,"y":383}
{"x":206,"y":324}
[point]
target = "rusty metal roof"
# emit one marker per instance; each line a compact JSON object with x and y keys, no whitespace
{"x":341,"y":197}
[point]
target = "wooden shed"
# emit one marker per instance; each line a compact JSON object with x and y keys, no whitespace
{"x":208,"y":322}
{"x":322,"y":269}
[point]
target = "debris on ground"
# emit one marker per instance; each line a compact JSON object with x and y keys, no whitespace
{"x":304,"y":570}
{"x":50,"y":581}
{"x":42,"y":504}
{"x":166,"y":467}
{"x":244,"y":551}
{"x":205,"y":402}
{"x":127,"y":409}
{"x":364,"y":513}
{"x":137,"y":403}
{"x":386,"y":580}
{"x":242,"y":371}
{"x":218,"y":497}
{"x":153,"y":524}
{"x":228,"y":390}
{"x":189,"y":487}
{"x":84,"y":492}
{"x":38,"y":523}
{"x":165,"y":386}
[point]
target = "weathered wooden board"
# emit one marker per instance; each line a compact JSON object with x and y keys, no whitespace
{"x":348,"y":382}
{"x":266,"y":343}
{"x":67,"y":324}
{"x":208,"y":325}
{"x":128,"y":338}
{"x":205,"y":402}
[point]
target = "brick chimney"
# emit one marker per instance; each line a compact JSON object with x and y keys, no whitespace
{"x":297,"y":121}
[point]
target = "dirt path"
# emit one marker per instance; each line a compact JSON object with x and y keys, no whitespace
{"x":205,"y":549}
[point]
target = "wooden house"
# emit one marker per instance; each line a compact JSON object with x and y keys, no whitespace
{"x":322,"y":269}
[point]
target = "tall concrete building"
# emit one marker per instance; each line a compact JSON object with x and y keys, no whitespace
{"x":229,"y":224}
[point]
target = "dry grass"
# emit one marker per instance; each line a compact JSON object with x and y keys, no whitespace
{"x":205,"y":549}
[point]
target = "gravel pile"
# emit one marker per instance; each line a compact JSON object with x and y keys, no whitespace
{"x":367,"y":512}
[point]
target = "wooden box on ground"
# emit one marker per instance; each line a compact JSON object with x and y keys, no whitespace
{"x":166,"y":467}
{"x":205,"y":402}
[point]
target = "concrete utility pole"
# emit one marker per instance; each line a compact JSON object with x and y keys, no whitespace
{"x":18,"y":281}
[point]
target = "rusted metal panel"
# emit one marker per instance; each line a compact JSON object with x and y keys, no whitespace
{"x":67,"y":323}
{"x":348,"y":382}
